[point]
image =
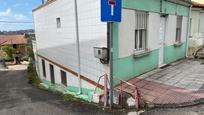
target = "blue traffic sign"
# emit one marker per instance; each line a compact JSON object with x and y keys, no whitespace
{"x":111,"y":10}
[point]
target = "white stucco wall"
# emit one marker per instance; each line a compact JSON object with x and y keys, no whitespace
{"x":59,"y":44}
{"x":197,"y":28}
{"x":127,"y":28}
{"x":127,"y":32}
{"x":195,"y":22}
{"x":153,"y":31}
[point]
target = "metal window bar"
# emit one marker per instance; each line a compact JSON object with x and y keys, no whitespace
{"x":178,"y":28}
{"x":141,"y":28}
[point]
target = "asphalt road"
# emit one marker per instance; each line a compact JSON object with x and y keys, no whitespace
{"x":17,"y":97}
{"x":193,"y":110}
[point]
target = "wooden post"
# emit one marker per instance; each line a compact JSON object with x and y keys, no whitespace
{"x":121,"y":93}
{"x":105,"y":90}
{"x":137,"y":99}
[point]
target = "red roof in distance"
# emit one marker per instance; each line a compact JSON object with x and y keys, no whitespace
{"x":12,"y":39}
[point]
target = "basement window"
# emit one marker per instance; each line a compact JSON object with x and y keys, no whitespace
{"x":63,"y":77}
{"x":178,"y":29}
{"x":43,"y":67}
{"x":58,"y":20}
{"x":140,"y":30}
{"x":52,"y":74}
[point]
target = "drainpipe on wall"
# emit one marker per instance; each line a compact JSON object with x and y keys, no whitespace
{"x":188,"y":30}
{"x":78,"y":46}
{"x":161,"y":6}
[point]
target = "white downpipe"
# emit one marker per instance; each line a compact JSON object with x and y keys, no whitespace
{"x":188,"y":30}
{"x":78,"y":45}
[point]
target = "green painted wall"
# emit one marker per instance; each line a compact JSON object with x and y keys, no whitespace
{"x":86,"y":93}
{"x":173,"y":53}
{"x":130,"y":67}
{"x":154,"y":6}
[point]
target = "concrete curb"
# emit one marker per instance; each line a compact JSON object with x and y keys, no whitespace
{"x":176,"y":105}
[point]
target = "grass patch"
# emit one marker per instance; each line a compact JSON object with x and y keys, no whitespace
{"x":32,"y":75}
{"x":72,"y":98}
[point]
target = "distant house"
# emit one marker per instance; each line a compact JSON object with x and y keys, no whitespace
{"x":196,"y":39}
{"x":18,"y":42}
{"x":152,"y":33}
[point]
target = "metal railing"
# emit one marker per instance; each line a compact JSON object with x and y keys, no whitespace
{"x":136,"y":95}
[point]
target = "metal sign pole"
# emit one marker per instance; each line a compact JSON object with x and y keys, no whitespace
{"x":111,"y":12}
{"x":78,"y":45}
{"x":110,"y":24}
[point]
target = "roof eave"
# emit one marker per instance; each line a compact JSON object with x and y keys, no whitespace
{"x":182,"y":2}
{"x":44,"y":5}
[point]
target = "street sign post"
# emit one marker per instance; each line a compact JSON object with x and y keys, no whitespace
{"x":111,"y":10}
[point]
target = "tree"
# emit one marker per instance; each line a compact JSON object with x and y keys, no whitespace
{"x":9,"y":51}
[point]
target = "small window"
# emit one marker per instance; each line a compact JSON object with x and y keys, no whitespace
{"x":141,"y":30}
{"x":58,"y":22}
{"x":63,"y":78}
{"x":178,"y":28}
{"x":190,"y":35}
{"x":43,"y":68}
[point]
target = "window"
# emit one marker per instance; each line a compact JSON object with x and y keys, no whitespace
{"x":140,"y":30}
{"x":178,"y":28}
{"x":43,"y":68}
{"x":63,"y":78}
{"x":52,"y":74}
{"x":58,"y":22}
{"x":190,"y":35}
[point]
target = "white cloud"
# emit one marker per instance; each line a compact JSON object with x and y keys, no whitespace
{"x":5,"y":13}
{"x":21,"y":5}
{"x":20,"y":17}
{"x":9,"y":15}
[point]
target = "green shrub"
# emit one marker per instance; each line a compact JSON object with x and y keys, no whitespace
{"x":9,"y":51}
{"x":32,"y":75}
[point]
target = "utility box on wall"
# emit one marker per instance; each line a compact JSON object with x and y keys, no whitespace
{"x":102,"y":54}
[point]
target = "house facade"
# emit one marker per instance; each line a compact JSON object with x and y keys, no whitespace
{"x":18,"y":42}
{"x":196,"y":39}
{"x":152,"y":33}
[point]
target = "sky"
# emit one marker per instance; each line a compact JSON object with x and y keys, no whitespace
{"x":17,"y":11}
{"x":21,"y":11}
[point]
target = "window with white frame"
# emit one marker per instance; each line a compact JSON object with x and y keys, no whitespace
{"x":178,"y":28}
{"x":140,"y":30}
{"x":58,"y":20}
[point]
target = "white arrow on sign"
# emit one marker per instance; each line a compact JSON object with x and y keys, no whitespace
{"x":112,"y":3}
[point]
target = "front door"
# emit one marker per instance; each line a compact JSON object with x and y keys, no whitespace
{"x":162,"y":31}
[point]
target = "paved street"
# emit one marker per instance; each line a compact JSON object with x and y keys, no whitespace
{"x":19,"y":98}
{"x":179,"y":84}
{"x":195,"y":110}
